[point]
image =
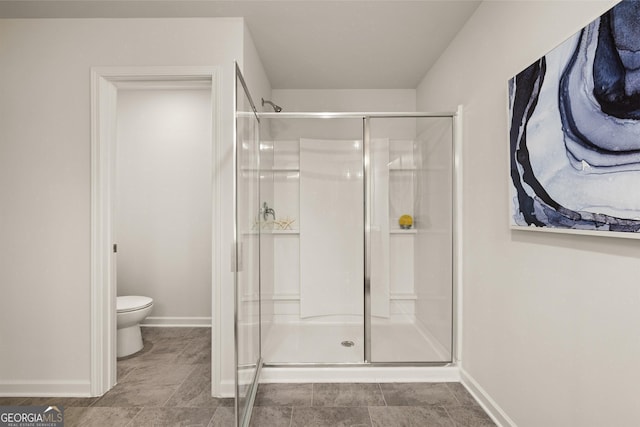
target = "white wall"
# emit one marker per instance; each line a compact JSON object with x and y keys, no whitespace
{"x":254,"y":73}
{"x":345,"y":99}
{"x":163,"y":206}
{"x":45,"y":182}
{"x":549,"y":319}
{"x":287,"y":133}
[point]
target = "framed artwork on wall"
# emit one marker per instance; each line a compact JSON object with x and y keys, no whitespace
{"x":574,"y":118}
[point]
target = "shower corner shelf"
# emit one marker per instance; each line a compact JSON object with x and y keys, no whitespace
{"x":401,"y":231}
{"x":285,"y":231}
{"x":250,"y":169}
{"x":285,"y":169}
{"x":403,"y":169}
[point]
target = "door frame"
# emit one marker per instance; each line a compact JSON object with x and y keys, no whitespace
{"x":105,"y":82}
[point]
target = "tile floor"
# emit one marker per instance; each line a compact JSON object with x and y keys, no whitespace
{"x":168,"y":384}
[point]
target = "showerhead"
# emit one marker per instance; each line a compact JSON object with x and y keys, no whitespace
{"x":276,"y":108}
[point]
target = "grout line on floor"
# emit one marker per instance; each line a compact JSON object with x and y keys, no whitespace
{"x":446,"y":410}
{"x":453,"y":394}
{"x":313,"y":392}
{"x":384,"y":399}
{"x":193,"y":369}
{"x":291,"y":419}
{"x":369,"y":412}
{"x":134,"y":417}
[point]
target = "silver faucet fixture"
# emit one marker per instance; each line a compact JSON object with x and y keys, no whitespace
{"x":266,"y":211}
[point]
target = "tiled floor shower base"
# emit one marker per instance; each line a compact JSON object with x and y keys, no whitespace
{"x":169,"y":384}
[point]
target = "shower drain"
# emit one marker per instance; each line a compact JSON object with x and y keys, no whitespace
{"x":347,"y":343}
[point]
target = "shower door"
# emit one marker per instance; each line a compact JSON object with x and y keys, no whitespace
{"x":247,"y":229}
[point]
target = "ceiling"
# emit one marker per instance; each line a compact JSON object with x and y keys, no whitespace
{"x":306,"y":44}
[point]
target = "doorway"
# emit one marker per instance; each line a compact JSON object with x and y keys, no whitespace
{"x":107,"y":84}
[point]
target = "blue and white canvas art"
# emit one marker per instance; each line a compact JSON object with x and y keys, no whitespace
{"x":575,"y":131}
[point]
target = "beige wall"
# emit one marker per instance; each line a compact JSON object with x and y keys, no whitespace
{"x":254,"y":73}
{"x":45,"y":175}
{"x":163,"y":208}
{"x":345,"y":99}
{"x":549,"y":319}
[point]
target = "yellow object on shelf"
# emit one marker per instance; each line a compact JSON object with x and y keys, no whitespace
{"x":405,"y":222}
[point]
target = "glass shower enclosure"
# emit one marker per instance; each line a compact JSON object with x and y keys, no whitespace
{"x":344,"y":241}
{"x":362,"y":264}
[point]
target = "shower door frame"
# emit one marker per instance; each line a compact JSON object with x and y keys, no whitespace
{"x":456,"y":255}
{"x":242,"y":416}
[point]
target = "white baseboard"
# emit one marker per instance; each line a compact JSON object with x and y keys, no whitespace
{"x":30,"y":388}
{"x":177,"y":321}
{"x":360,"y":374}
{"x":488,"y":404}
{"x":227,"y":389}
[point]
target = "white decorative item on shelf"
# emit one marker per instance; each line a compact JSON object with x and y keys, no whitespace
{"x":283,"y":224}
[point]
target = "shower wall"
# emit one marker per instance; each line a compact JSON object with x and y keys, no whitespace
{"x":286,"y":134}
{"x":331,"y":224}
{"x":287,"y":170}
{"x":163,"y":207}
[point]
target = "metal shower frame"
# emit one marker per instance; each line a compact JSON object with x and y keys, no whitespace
{"x":456,"y":221}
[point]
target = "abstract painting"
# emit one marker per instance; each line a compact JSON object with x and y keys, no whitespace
{"x":575,"y":131}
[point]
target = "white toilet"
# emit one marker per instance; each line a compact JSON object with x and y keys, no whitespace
{"x":131,"y":310}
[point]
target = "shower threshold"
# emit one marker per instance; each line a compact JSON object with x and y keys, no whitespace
{"x":359,"y":373}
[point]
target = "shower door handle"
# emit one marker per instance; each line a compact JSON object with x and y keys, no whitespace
{"x":236,"y":257}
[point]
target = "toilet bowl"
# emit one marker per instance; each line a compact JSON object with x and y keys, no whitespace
{"x":131,"y":310}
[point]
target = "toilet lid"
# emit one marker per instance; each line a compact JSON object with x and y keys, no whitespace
{"x":132,"y":303}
